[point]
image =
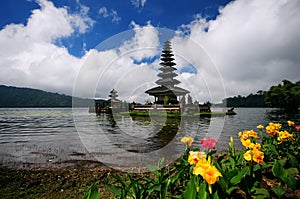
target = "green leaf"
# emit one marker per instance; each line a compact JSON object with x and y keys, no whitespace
{"x":113,"y":189}
{"x":164,"y":189}
{"x":292,"y":160}
{"x":282,"y":161}
{"x":228,"y":191}
{"x":92,"y":193}
{"x":237,"y":179}
{"x":278,"y":170}
{"x":290,"y":181}
{"x":160,"y":162}
{"x":202,"y":193}
{"x":177,"y":176}
{"x":261,"y":193}
{"x":231,"y":174}
{"x":256,"y":167}
{"x":153,"y":169}
{"x":191,"y":190}
{"x":119,"y":179}
{"x":216,"y":196}
{"x":232,"y":162}
{"x":153,"y":188}
{"x":279,"y":191}
{"x":266,"y":166}
{"x":273,"y":149}
{"x":292,"y":171}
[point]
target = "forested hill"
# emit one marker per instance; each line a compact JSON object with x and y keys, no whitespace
{"x":252,"y":100}
{"x":27,"y":97}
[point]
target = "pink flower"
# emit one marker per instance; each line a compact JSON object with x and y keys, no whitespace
{"x":297,"y":127}
{"x":208,"y":143}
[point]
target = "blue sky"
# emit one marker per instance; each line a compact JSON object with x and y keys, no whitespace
{"x":116,"y":16}
{"x":222,"y":48}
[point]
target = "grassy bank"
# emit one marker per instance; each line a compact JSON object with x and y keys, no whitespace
{"x":164,"y":114}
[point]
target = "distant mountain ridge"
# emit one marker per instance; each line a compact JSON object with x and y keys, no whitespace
{"x":27,"y":97}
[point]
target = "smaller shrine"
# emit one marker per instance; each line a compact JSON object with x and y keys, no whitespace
{"x":113,"y":101}
{"x":105,"y":106}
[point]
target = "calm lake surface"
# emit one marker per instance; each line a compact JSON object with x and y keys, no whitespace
{"x":61,"y":137}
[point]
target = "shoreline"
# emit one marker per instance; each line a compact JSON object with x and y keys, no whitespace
{"x":60,"y":182}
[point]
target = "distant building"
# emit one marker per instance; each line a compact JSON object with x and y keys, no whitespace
{"x":113,"y":101}
{"x":167,"y":92}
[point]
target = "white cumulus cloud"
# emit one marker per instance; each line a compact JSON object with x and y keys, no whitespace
{"x":31,"y":58}
{"x":254,"y":44}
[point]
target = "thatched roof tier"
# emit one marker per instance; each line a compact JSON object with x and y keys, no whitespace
{"x":163,"y":90}
{"x":167,"y":74}
{"x":167,"y":82}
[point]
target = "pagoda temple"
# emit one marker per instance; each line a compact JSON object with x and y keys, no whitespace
{"x":166,"y":92}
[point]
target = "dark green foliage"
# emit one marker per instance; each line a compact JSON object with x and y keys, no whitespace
{"x":285,"y":96}
{"x":27,"y":97}
{"x":252,"y":100}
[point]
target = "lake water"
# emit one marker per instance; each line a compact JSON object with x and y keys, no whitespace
{"x":61,"y":137}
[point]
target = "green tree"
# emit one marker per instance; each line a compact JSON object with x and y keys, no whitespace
{"x":285,"y":96}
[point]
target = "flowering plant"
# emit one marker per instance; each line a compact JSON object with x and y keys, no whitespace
{"x":234,"y":174}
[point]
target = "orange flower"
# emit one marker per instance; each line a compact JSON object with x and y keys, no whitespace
{"x":195,"y":156}
{"x":187,"y":140}
{"x":291,"y":123}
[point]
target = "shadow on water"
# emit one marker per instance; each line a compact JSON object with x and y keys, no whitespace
{"x":279,"y":115}
{"x":144,"y":134}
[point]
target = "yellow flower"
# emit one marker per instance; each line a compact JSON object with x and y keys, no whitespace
{"x":252,"y":133}
{"x":195,"y":156}
{"x":209,"y":172}
{"x":211,"y":175}
{"x":277,"y":126}
{"x":258,"y":156}
{"x":260,"y":127}
{"x":272,"y":129}
{"x":284,"y":136}
{"x":240,"y":134}
{"x":248,"y":155}
{"x":246,"y":143}
{"x":254,"y":155}
{"x":246,"y":134}
{"x":256,"y":147}
{"x":291,"y":123}
{"x":187,"y":140}
{"x":201,"y":166}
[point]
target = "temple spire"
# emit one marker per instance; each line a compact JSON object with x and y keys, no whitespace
{"x":167,"y":67}
{"x":167,"y":92}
